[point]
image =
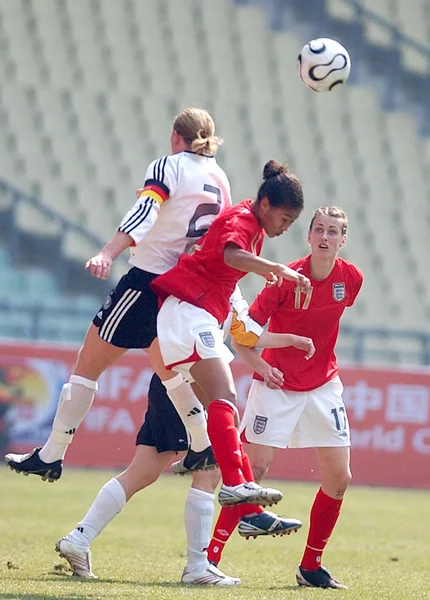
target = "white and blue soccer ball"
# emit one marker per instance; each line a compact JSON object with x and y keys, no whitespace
{"x":323,"y":65}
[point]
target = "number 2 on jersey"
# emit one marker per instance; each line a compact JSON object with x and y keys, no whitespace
{"x":204,"y":209}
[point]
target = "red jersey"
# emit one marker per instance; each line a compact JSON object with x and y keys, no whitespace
{"x":202,"y":278}
{"x":315,"y":314}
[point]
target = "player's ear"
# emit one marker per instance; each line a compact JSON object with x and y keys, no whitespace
{"x":343,"y":242}
{"x":264,"y":205}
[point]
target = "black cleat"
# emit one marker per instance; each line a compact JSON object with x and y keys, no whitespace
{"x":31,"y":464}
{"x":267,"y":523}
{"x":195,"y":461}
{"x":320,"y":578}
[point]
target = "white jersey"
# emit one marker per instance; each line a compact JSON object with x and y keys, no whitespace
{"x":182,"y":195}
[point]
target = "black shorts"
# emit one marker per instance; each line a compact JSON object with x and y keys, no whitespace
{"x":163,"y":427}
{"x":128,"y":318}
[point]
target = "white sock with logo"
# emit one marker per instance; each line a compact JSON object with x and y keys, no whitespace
{"x":109,"y":502}
{"x":74,"y":403}
{"x":190,"y":410}
{"x":199,"y":512}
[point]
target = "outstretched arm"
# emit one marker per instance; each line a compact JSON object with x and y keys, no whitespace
{"x":242,"y":260}
{"x":101,"y":264}
{"x":282,"y":340}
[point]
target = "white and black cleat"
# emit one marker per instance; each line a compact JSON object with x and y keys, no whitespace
{"x":195,"y":461}
{"x":320,"y":578}
{"x":267,"y":523}
{"x":32,"y":464}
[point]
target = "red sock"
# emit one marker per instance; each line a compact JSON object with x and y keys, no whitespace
{"x":247,"y":509}
{"x":230,"y":517}
{"x":324,"y":515}
{"x":225,"y":442}
{"x":227,"y":520}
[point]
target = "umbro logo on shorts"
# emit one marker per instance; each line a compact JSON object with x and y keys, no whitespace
{"x":259,"y":424}
{"x":208,"y":339}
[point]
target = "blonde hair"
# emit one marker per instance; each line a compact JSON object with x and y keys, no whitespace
{"x":331,"y":211}
{"x":197,"y":128}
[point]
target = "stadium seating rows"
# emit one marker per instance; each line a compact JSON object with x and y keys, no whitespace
{"x":89,"y":89}
{"x":411,"y":18}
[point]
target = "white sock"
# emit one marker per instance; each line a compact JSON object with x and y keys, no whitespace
{"x":109,"y":502}
{"x":199,"y":512}
{"x":74,"y":403}
{"x":190,"y":410}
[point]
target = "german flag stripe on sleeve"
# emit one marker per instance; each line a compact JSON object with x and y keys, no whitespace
{"x":155,"y":190}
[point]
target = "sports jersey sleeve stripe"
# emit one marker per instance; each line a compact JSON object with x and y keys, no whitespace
{"x":163,"y":165}
{"x":138,"y":217}
{"x":155,"y":170}
{"x":134,"y":214}
{"x":159,"y":169}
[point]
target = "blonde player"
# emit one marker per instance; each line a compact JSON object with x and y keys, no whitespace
{"x":182,"y":195}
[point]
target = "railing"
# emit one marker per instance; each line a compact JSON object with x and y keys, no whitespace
{"x":358,"y":346}
{"x":356,"y":342}
{"x":362,"y":337}
{"x":11,"y":198}
{"x":65,"y":226}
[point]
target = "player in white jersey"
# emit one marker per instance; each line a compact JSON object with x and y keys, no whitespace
{"x":164,"y":430}
{"x":183,"y":193}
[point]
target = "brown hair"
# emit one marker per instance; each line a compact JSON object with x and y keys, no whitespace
{"x":197,"y":128}
{"x":331,"y":211}
{"x":280,"y":187}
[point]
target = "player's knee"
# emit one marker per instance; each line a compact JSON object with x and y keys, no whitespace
{"x":145,"y":478}
{"x":340,"y":482}
{"x":230,"y":395}
{"x":345,"y":479}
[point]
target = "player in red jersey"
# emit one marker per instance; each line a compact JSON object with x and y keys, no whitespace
{"x":308,"y":411}
{"x":196,"y":296}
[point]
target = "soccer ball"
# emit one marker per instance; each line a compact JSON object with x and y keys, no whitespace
{"x":323,"y":64}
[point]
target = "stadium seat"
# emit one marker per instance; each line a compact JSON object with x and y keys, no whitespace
{"x":89,"y":91}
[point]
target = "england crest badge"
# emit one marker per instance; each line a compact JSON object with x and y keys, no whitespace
{"x":259,"y":424}
{"x":339,"y":292}
{"x":208,"y":339}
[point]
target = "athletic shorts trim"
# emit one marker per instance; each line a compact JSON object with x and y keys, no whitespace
{"x":128,"y":317}
{"x":186,"y":334}
{"x":113,"y":321}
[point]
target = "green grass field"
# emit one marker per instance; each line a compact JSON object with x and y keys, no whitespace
{"x":380,"y":549}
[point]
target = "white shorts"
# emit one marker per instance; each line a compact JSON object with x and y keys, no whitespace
{"x":284,"y":419}
{"x":187,"y":334}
